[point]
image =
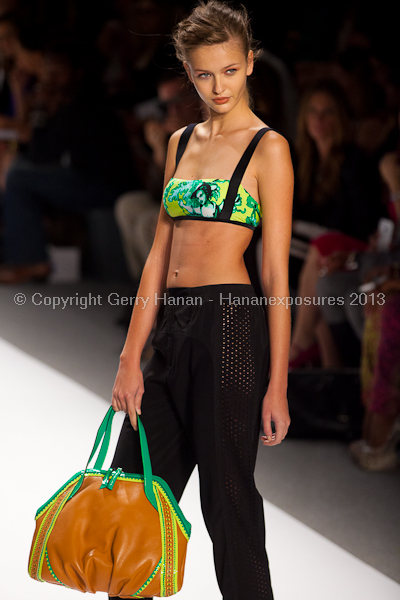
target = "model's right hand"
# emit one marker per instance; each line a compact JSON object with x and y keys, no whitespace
{"x":128,"y":391}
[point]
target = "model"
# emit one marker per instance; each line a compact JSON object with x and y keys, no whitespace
{"x":217,"y":369}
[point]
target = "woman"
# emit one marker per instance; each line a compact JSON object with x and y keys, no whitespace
{"x":203,"y":393}
{"x":336,"y":189}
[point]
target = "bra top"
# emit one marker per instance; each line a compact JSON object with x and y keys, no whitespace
{"x":223,"y":200}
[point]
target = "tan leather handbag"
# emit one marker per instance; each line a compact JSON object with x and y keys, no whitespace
{"x":110,"y":531}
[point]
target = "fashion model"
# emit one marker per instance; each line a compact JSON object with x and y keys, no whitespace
{"x":218,"y":372}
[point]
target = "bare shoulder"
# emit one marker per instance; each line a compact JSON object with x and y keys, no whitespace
{"x":273,"y":145}
{"x":175,"y":137}
{"x":273,"y":157}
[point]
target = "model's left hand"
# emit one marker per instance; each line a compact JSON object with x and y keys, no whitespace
{"x":275,"y":408}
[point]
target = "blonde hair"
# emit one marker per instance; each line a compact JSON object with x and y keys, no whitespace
{"x":215,"y":22}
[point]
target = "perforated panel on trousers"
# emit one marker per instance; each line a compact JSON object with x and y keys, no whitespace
{"x":238,"y":408}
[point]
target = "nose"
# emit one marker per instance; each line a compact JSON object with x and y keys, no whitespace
{"x":218,"y":86}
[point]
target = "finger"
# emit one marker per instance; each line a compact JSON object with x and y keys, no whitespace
{"x":138,"y":403}
{"x":267,"y":426}
{"x":268,"y":442}
{"x":133,"y":419}
{"x":280,"y":430}
{"x":116,"y":402}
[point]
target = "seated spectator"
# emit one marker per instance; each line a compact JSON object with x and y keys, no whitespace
{"x":78,"y":159}
{"x":21,"y":46}
{"x":335,"y":181}
{"x":336,"y":189}
{"x":18,"y":78}
{"x":346,"y":318}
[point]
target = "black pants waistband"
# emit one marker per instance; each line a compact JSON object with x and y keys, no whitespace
{"x":212,"y":290}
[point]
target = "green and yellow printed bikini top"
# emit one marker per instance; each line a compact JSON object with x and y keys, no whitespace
{"x":213,"y":199}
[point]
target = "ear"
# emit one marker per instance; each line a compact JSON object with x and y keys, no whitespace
{"x":187,"y":69}
{"x":250,"y":62}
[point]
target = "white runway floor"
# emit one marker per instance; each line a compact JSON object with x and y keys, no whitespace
{"x":47,"y":431}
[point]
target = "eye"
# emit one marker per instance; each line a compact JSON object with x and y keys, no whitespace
{"x":203,"y":75}
{"x":231,"y":71}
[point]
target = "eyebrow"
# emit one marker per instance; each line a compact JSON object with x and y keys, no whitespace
{"x":228,"y":67}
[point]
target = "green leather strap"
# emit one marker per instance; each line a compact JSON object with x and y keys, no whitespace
{"x":147,"y":470}
{"x":103,"y":438}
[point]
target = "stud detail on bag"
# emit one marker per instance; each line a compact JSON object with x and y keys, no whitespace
{"x":35,"y":567}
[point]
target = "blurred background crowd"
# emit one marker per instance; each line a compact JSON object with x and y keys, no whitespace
{"x":90,"y":93}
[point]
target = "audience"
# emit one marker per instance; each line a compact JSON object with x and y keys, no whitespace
{"x":78,"y":159}
{"x":346,"y":319}
{"x":337,"y":190}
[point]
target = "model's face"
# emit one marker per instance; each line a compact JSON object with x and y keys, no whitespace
{"x":219,"y":74}
{"x":322,"y":117}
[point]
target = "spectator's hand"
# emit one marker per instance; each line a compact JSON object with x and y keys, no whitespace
{"x":389,"y":168}
{"x":334,"y":262}
{"x":128,"y":391}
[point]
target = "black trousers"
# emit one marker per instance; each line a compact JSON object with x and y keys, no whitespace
{"x":204,"y":387}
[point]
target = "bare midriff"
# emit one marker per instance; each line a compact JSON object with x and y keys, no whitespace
{"x":207,"y":254}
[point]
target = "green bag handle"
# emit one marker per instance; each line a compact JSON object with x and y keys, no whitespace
{"x":103,"y":438}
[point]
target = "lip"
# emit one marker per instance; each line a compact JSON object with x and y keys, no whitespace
{"x":221,"y":100}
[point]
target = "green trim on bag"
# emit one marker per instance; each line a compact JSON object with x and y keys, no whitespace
{"x":52,"y":572}
{"x":174,"y":505}
{"x":162,"y":528}
{"x":186,"y":526}
{"x":146,"y":583}
{"x":147,"y":470}
{"x":54,"y":497}
{"x":176,"y":563}
{"x":50,"y":529}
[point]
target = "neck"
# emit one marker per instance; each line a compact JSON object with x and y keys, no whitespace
{"x":237,"y":118}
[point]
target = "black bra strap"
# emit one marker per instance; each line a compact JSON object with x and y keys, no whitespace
{"x":183,"y":142}
{"x":237,"y":176}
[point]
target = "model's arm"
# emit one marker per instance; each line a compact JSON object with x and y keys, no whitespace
{"x":276,"y":182}
{"x":128,"y":387}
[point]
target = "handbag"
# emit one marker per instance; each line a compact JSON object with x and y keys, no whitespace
{"x":110,"y":531}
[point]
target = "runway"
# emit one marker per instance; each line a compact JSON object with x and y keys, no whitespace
{"x":48,"y":428}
